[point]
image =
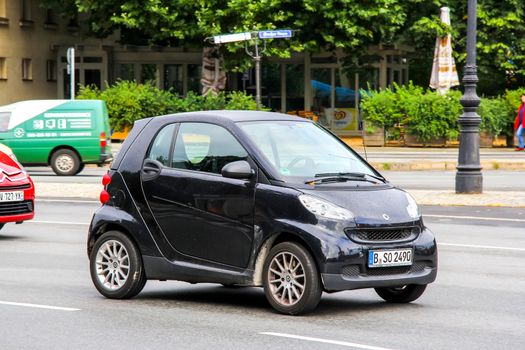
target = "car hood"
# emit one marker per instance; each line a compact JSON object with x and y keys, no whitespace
{"x":373,"y":206}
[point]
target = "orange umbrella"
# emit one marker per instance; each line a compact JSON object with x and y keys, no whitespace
{"x":444,"y":74}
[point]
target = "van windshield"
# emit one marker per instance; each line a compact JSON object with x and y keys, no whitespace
{"x":4,"y":121}
{"x":302,"y":150}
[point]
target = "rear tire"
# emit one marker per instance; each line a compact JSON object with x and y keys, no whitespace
{"x":403,"y":294}
{"x":116,"y":266}
{"x":80,"y":168}
{"x":65,"y":162}
{"x":291,"y":281}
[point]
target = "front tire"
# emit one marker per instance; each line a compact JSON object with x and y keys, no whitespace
{"x":403,"y":294}
{"x":291,"y":281}
{"x":65,"y":162}
{"x":116,"y":266}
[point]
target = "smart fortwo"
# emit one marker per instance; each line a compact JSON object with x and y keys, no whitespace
{"x":255,"y":199}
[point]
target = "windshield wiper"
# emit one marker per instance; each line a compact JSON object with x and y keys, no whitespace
{"x":343,"y":177}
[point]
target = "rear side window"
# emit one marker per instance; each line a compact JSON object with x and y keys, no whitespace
{"x":205,"y":147}
{"x":160,"y":148}
{"x":4,"y":120}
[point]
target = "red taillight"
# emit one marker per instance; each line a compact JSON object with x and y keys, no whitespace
{"x":103,"y":141}
{"x":104,"y":196}
{"x":106,"y":179}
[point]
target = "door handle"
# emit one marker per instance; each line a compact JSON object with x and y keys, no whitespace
{"x":151,"y":169}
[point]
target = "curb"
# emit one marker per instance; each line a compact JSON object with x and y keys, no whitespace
{"x":417,"y":166}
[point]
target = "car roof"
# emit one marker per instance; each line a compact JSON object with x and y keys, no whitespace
{"x":238,"y":116}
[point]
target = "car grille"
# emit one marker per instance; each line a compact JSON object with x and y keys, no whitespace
{"x":16,"y":187}
{"x":16,"y":208}
{"x":354,"y":270}
{"x":390,"y":234}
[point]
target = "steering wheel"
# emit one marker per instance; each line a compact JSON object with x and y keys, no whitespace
{"x":309,"y":162}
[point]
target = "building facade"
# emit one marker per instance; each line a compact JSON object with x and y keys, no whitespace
{"x":33,"y":65}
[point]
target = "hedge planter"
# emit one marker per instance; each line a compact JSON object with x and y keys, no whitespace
{"x":414,"y":141}
{"x":377,"y":138}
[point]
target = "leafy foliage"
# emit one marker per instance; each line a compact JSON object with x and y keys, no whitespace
{"x":129,"y":101}
{"x":427,"y":114}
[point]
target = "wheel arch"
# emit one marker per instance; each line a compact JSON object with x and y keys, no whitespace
{"x":106,"y":227}
{"x":271,"y":242}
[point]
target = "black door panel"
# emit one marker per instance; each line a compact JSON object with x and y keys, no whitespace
{"x":204,"y":215}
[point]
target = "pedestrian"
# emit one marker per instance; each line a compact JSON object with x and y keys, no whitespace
{"x":519,"y":124}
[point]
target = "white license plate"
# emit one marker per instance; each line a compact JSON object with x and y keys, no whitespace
{"x":12,"y":196}
{"x":382,"y":258}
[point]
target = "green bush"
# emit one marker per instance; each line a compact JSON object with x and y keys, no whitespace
{"x":128,"y":101}
{"x":425,"y":114}
{"x":494,"y":115}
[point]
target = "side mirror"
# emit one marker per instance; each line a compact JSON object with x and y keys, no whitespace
{"x":240,"y":169}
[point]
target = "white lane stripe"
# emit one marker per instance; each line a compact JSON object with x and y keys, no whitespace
{"x":472,"y":218}
{"x":56,"y":222}
{"x":37,"y":306}
{"x":481,"y":246}
{"x":326,"y":341}
{"x":67,"y":201}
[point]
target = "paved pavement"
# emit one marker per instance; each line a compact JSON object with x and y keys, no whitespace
{"x":47,"y":300}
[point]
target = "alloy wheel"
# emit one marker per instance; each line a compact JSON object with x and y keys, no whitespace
{"x":65,"y":163}
{"x":112,"y":265}
{"x":286,"y":278}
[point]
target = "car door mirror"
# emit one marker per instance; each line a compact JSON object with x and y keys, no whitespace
{"x":240,"y":169}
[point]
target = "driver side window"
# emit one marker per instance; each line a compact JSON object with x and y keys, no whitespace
{"x":205,"y":147}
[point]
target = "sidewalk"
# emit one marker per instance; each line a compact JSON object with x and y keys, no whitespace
{"x":423,"y":197}
{"x":408,"y":158}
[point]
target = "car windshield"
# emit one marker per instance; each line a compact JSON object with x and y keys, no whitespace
{"x":301,"y":150}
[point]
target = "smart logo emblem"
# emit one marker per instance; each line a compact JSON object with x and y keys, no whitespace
{"x":386,"y":217}
{"x":19,"y":132}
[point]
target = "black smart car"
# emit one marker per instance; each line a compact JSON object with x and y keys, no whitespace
{"x":255,"y":199}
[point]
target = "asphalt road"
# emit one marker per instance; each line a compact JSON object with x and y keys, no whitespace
{"x":476,"y":303}
{"x":493,"y":180}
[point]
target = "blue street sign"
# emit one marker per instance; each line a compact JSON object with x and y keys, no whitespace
{"x":275,"y":34}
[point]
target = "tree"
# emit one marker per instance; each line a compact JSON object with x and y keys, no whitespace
{"x":344,"y":24}
{"x":500,"y":45}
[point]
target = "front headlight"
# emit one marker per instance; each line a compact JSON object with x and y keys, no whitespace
{"x":325,"y":209}
{"x":412,"y":207}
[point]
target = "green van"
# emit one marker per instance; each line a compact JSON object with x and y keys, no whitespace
{"x":66,"y":134}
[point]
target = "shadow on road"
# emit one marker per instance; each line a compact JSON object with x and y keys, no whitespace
{"x":9,"y":238}
{"x":251,"y":299}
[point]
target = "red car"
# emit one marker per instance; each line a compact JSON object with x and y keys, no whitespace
{"x":17,"y":191}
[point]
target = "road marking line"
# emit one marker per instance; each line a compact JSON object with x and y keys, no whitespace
{"x":67,"y":201}
{"x":481,"y":246}
{"x":57,"y":222}
{"x":37,"y":306}
{"x":326,"y":341}
{"x":472,"y":217}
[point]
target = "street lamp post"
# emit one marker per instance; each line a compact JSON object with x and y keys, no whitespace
{"x":468,"y":176}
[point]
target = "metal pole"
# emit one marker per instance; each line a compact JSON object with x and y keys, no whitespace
{"x":468,"y":176}
{"x":72,"y":75}
{"x":257,"y":59}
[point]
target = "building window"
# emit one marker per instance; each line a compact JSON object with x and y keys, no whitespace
{"x":148,"y":73}
{"x":194,"y":78}
{"x":72,"y":25}
{"x":27,"y":69}
{"x":51,"y":19}
{"x":3,"y":68}
{"x":3,"y":13}
{"x":126,"y":71}
{"x":51,"y":70}
{"x":173,"y":78}
{"x":26,"y":19}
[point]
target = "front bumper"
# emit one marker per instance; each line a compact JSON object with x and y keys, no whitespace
{"x":351,"y":271}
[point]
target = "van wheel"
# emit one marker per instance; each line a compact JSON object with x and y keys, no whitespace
{"x":65,"y":162}
{"x":116,"y":266}
{"x":80,"y":168}
{"x":403,"y":294}
{"x":291,"y":280}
